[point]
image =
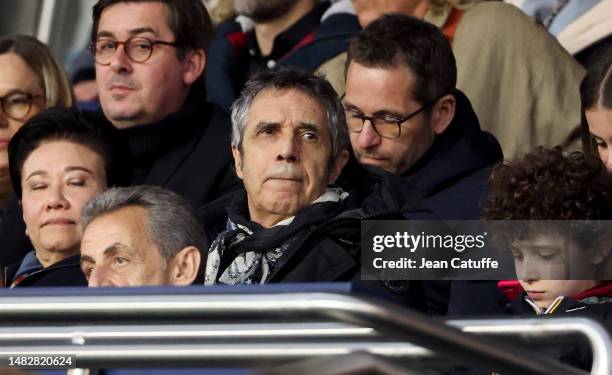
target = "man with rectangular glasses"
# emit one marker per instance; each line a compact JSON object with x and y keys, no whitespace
{"x":405,"y":116}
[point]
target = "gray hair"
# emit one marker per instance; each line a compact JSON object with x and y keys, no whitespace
{"x":310,"y":84}
{"x":172,"y":222}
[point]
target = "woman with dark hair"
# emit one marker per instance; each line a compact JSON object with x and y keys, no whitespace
{"x":31,"y":79}
{"x":58,"y":160}
{"x":596,"y":96}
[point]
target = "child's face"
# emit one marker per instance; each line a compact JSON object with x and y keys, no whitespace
{"x":544,"y":292}
{"x":551,"y":256}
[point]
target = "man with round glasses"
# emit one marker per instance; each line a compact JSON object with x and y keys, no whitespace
{"x":150,"y":61}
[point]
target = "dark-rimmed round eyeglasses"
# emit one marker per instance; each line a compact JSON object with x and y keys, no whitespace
{"x":17,"y":106}
{"x":137,"y":48}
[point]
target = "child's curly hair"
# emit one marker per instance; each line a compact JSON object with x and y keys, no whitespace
{"x":549,"y":184}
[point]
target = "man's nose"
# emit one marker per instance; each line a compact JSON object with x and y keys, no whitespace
{"x":288,"y":148}
{"x":368,"y":138}
{"x":99,"y":277}
{"x":120,"y":61}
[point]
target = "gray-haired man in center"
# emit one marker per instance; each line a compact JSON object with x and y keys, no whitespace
{"x":290,"y":224}
{"x":140,"y":235}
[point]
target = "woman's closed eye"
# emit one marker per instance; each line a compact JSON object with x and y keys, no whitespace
{"x":38,"y":186}
{"x":76,"y":182}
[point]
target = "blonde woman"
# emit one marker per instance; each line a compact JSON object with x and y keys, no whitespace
{"x":31,"y":80}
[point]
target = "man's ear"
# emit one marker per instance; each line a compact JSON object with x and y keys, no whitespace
{"x":193,"y":66}
{"x":185,"y":266}
{"x":442,"y":113}
{"x":338,"y":165}
{"x":600,"y":249}
{"x":237,"y":160}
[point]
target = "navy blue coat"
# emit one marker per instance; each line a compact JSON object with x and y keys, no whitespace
{"x":453,"y":179}
{"x":453,"y":174}
{"x":66,"y":272}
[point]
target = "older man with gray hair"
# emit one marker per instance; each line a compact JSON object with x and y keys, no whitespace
{"x":290,"y":143}
{"x":140,"y":235}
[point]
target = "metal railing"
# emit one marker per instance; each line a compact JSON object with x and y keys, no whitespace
{"x":108,"y":330}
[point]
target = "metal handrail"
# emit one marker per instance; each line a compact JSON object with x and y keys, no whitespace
{"x":394,"y":321}
{"x":598,"y":337}
{"x":221,"y":354}
{"x":16,"y":335}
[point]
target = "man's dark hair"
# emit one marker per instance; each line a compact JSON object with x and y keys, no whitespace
{"x":397,"y":39}
{"x":188,"y":19}
{"x":59,"y":124}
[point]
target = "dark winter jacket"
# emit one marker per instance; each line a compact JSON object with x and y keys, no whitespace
{"x":453,"y":174}
{"x":234,"y":56}
{"x":453,"y":178}
{"x":63,"y":273}
{"x":594,"y":303}
{"x":14,"y":244}
{"x":329,"y":250}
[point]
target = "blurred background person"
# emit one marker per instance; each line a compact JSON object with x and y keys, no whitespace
{"x":220,"y":10}
{"x":596,"y":95}
{"x":582,"y":27}
{"x":58,"y":161}
{"x":522,"y":83}
{"x":309,"y":34}
{"x":31,"y":79}
{"x":84,"y":81}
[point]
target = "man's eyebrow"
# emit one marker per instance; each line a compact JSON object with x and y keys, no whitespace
{"x":142,"y":30}
{"x":349,"y":105}
{"x":379,"y":113}
{"x":136,"y":31}
{"x":308,"y":126}
{"x":265,"y":124}
{"x":387,"y":112}
{"x":114,"y":248}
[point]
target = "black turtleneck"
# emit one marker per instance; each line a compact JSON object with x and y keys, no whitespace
{"x":146,"y":143}
{"x":187,"y":152}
